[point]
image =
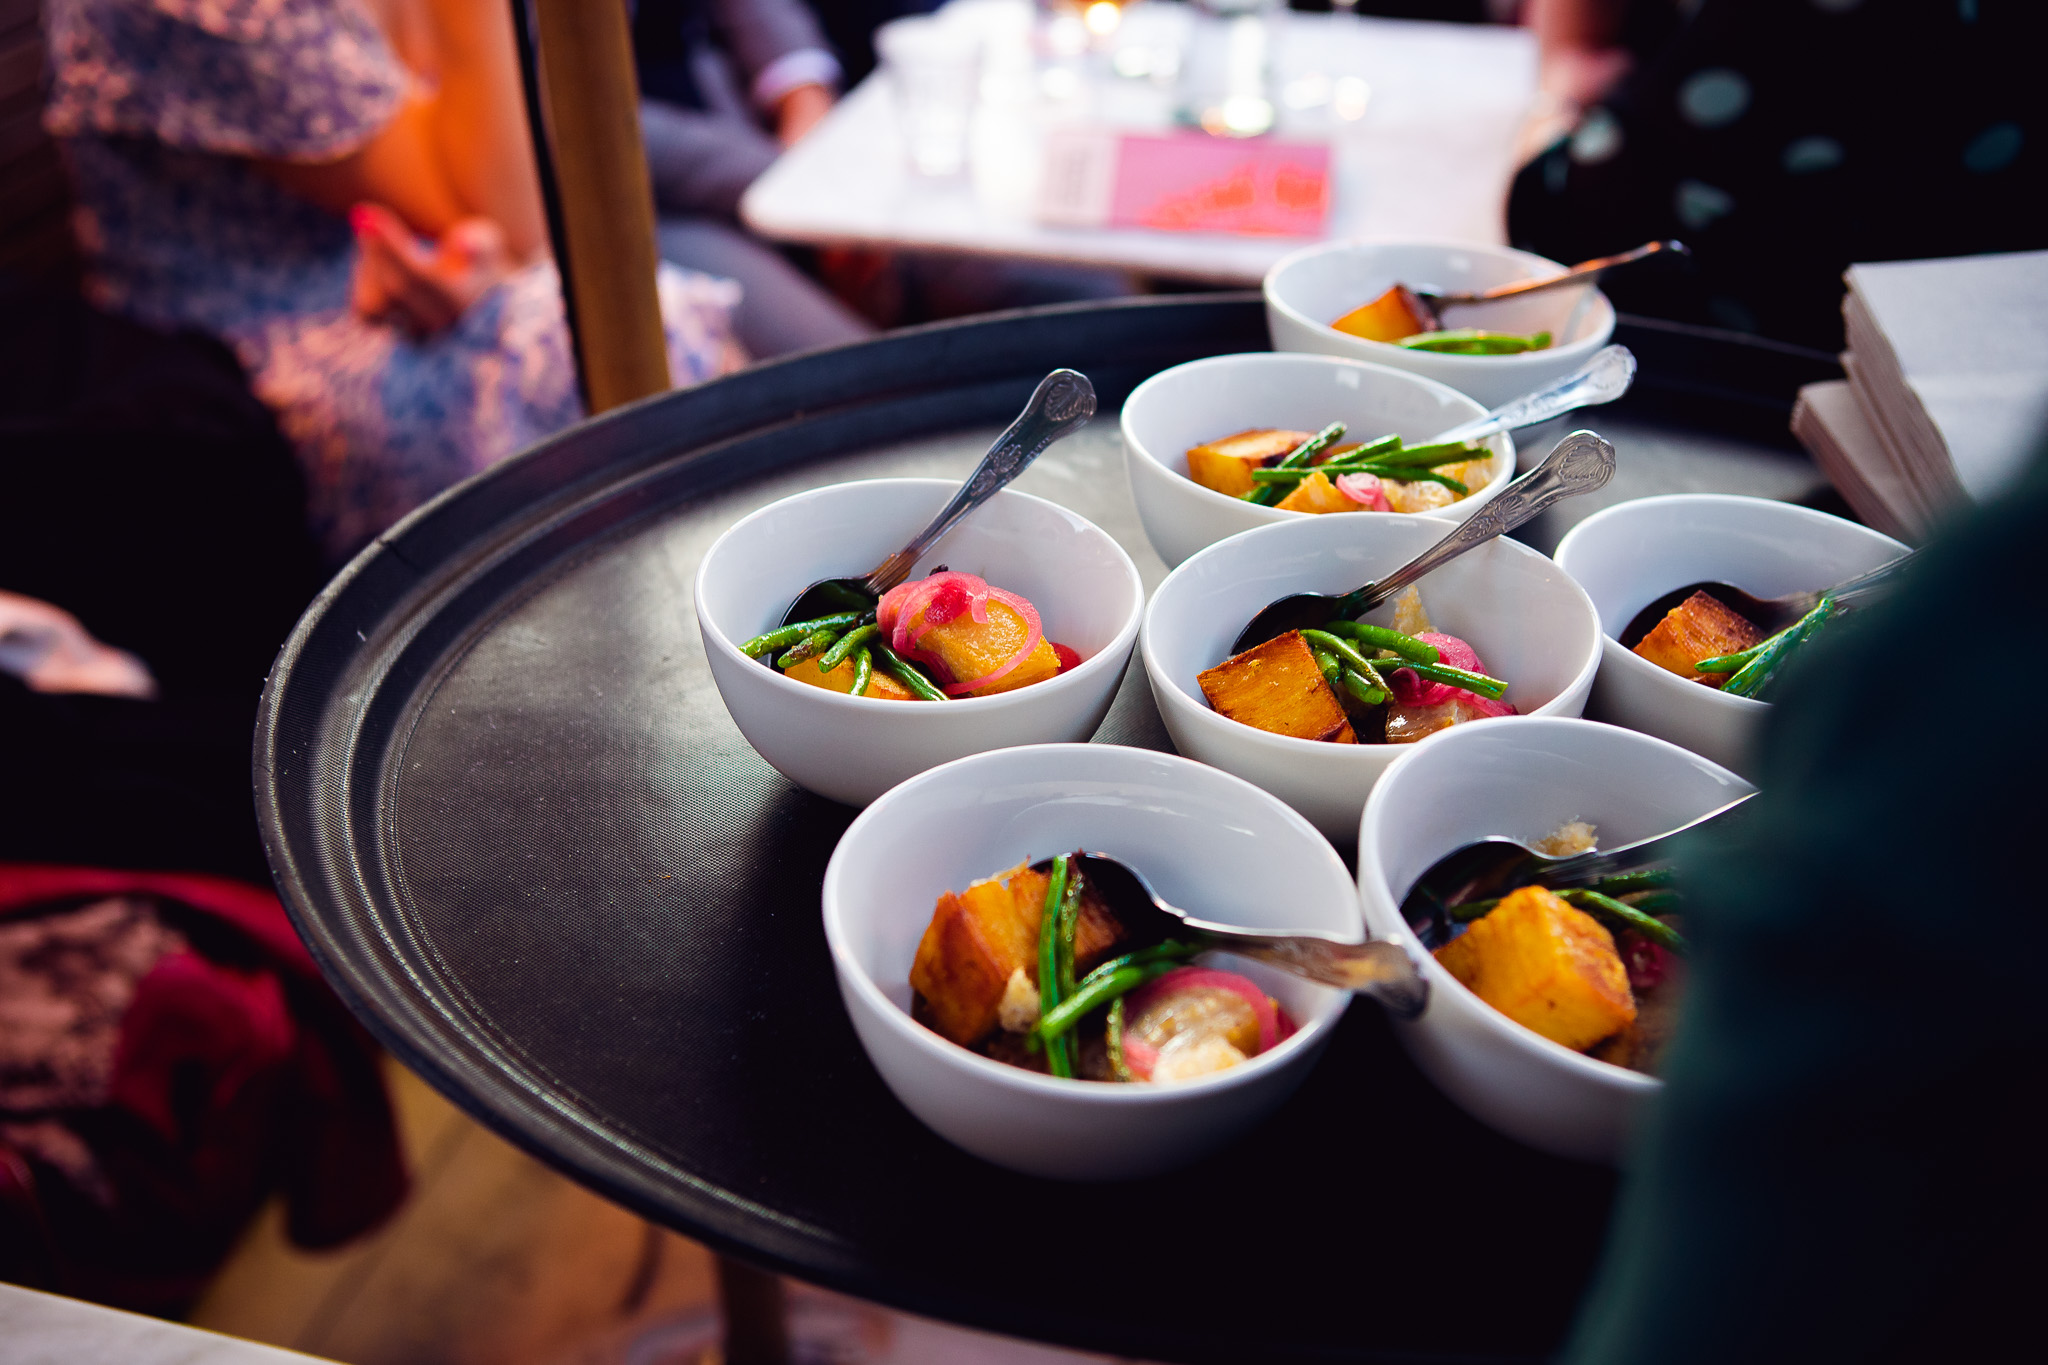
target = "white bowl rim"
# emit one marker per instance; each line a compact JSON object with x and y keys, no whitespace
{"x":900,"y":1022}
{"x":1118,"y":648}
{"x":1587,"y":343}
{"x":1521,"y":1036}
{"x":1635,"y":663}
{"x":1131,"y":443}
{"x":1207,"y":715}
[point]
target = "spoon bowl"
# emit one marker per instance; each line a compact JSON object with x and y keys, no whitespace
{"x":1768,"y":614}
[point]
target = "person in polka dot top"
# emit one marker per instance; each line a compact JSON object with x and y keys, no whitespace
{"x":1783,"y":140}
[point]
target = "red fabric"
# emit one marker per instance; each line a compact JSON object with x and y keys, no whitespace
{"x":236,"y":1074}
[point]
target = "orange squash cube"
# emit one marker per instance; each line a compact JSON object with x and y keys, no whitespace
{"x":1547,"y":966}
{"x":1387,"y":318}
{"x":979,"y":937}
{"x":973,"y":649}
{"x":1700,"y":627}
{"x":840,"y":679}
{"x":1277,"y":687}
{"x":1227,"y":465}
{"x":1317,"y":494}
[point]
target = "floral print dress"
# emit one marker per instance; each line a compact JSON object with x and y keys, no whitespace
{"x":162,"y":104}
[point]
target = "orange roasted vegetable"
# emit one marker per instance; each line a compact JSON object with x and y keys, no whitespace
{"x":974,"y":649}
{"x":1387,"y":318}
{"x":1547,"y":966}
{"x":1277,"y":687}
{"x":1700,"y":627}
{"x":1227,"y":465}
{"x":1317,"y":494}
{"x":840,"y":679}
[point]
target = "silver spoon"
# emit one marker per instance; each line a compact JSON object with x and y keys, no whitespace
{"x":1601,"y":379}
{"x":1380,"y":968}
{"x":1768,"y":614}
{"x":1495,"y":866}
{"x":1062,"y":403}
{"x":1428,"y":301}
{"x":1580,"y":463}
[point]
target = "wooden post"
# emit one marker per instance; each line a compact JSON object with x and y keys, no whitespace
{"x":606,"y":249}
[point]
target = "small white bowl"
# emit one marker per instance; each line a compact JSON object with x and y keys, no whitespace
{"x":1629,"y":555}
{"x":1205,"y":400}
{"x":1310,"y":289}
{"x":1522,"y":777}
{"x":1529,"y":622}
{"x":853,"y":749}
{"x":1209,"y":843}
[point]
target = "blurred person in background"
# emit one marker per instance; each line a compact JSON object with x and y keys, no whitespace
{"x":344,"y":191}
{"x":1782,"y":140}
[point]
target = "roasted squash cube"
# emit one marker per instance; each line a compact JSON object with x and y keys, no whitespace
{"x":978,"y":937}
{"x":1387,"y":318}
{"x":1277,"y":687}
{"x":1700,"y":627}
{"x":1547,"y":966}
{"x":974,"y":649}
{"x":1227,"y":465}
{"x":840,"y":679}
{"x":1317,"y":494}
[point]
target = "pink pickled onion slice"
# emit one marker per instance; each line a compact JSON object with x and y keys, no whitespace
{"x":1140,"y":1056}
{"x":929,"y":602}
{"x":1411,"y":690}
{"x":1196,"y":978}
{"x":1068,"y":658}
{"x":1034,"y":632}
{"x":1366,"y":489}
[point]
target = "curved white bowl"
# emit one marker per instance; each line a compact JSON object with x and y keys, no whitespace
{"x":853,"y":749}
{"x":1192,"y":404}
{"x":1529,"y":622}
{"x":1313,"y":287}
{"x":1208,"y":842}
{"x":1522,"y":777}
{"x":1634,"y":552}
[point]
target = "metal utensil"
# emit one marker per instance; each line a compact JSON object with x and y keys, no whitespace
{"x":1380,"y":968}
{"x":1062,"y":403}
{"x":1768,"y":614}
{"x":1493,"y":867}
{"x":1580,"y":463}
{"x":1602,"y":379}
{"x":1429,"y":301}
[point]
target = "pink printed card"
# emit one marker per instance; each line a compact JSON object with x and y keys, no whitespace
{"x":1185,"y":182}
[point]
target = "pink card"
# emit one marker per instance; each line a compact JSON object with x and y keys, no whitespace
{"x":1185,"y":182}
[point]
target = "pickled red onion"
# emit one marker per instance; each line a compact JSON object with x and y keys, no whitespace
{"x":1411,"y":690}
{"x":1195,"y":978}
{"x":1140,"y":1056}
{"x":908,"y":610}
{"x":1366,"y":489}
{"x":1034,"y":632}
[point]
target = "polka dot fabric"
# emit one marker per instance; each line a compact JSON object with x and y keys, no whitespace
{"x":1785,"y":139}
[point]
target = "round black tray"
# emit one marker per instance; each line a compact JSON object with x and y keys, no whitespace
{"x":512,"y":819}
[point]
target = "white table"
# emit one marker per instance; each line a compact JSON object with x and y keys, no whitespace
{"x":43,"y":1329}
{"x":1431,"y":156}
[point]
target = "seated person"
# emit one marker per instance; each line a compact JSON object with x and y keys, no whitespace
{"x":221,"y":154}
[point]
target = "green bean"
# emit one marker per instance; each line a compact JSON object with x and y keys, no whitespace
{"x":1471,"y":910}
{"x":812,"y":645}
{"x":1624,"y":883}
{"x":1606,"y":907}
{"x":849,"y":642}
{"x":1057,"y":1024}
{"x":1174,"y":950}
{"x":1407,"y":475}
{"x":897,"y":667}
{"x":1326,"y":662}
{"x":1056,"y":1055}
{"x":1772,"y":655}
{"x":1731,"y":663}
{"x":1493,"y":689}
{"x":782,"y":636}
{"x":1278,"y":478}
{"x":1297,"y":456}
{"x":1344,"y":650}
{"x":1653,"y":902}
{"x":1355,"y":683}
{"x":1070,"y":923}
{"x":1444,"y":452}
{"x":1471,"y":341}
{"x":1113,"y":1034}
{"x":863,"y":673}
{"x":1379,"y":637}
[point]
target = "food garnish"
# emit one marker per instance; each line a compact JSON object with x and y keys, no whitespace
{"x":1706,"y":640}
{"x":1392,"y":319}
{"x":1596,"y":968}
{"x":948,"y":635}
{"x":1355,"y":682}
{"x":1299,"y":471}
{"x":1031,"y":967}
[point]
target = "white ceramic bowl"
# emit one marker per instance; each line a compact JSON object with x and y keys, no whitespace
{"x":1204,"y":400}
{"x":853,"y":749}
{"x":1629,"y":555}
{"x":1529,"y":622}
{"x":1208,"y":843}
{"x":1310,"y":289}
{"x":1522,"y":777}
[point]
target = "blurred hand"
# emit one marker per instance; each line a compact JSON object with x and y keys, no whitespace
{"x":799,"y":111}
{"x":424,"y":288}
